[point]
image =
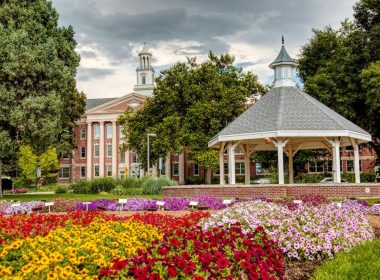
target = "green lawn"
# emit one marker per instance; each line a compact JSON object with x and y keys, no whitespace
{"x":372,"y":201}
{"x":82,"y":197}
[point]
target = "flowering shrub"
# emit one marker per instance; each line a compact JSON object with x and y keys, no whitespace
{"x":220,"y":253}
{"x":72,"y":251}
{"x":20,"y":190}
{"x":307,"y":232}
{"x":63,"y":205}
{"x":94,"y":204}
{"x":25,"y":207}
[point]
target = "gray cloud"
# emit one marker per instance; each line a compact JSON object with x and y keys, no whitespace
{"x":86,"y":74}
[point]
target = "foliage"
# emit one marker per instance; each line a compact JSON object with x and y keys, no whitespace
{"x":361,"y":262}
{"x":39,"y":102}
{"x":6,"y":150}
{"x":305,"y":232}
{"x":341,"y":68}
{"x":191,"y":103}
{"x":47,"y":161}
{"x":220,"y":253}
{"x":195,"y":180}
{"x":364,"y":177}
{"x":153,"y":185}
{"x":130,"y":182}
{"x":82,"y":186}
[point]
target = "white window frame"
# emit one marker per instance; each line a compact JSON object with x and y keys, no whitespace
{"x":82,"y":133}
{"x":96,"y":167}
{"x":62,"y":173}
{"x":353,"y":166}
{"x":316,"y":166}
{"x":239,"y":168}
{"x":96,"y":131}
{"x":109,"y":170}
{"x":81,"y":152}
{"x":109,"y":130}
{"x":96,"y":145}
{"x":109,"y":152}
{"x":173,"y":169}
{"x":83,"y":171}
{"x":122,"y":157}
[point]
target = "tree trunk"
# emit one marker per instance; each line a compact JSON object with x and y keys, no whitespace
{"x":208,"y":176}
{"x":1,"y":181}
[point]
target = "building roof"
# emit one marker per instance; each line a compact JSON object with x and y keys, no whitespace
{"x":283,"y":56}
{"x":144,"y":49}
{"x":92,"y":103}
{"x":286,"y":112}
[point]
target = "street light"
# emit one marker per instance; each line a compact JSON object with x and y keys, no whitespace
{"x":148,"y":135}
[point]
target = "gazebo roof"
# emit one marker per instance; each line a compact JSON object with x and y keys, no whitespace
{"x":283,"y":56}
{"x":287,"y":111}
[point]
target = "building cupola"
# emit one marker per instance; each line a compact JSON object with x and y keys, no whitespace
{"x":283,"y":67}
{"x":145,"y":73}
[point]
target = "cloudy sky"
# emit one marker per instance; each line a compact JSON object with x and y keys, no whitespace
{"x":111,"y":33}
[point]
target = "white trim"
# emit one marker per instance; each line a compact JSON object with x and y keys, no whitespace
{"x":290,"y":133}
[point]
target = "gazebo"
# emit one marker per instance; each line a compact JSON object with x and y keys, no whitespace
{"x":288,"y":120}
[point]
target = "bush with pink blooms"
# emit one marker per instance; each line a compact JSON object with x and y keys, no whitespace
{"x":304,"y":232}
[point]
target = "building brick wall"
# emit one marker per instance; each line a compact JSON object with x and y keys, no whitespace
{"x":275,"y":191}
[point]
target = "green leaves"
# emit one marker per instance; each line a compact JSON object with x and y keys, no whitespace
{"x":191,"y":103}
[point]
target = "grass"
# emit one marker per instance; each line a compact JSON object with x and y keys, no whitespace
{"x":361,"y":262}
{"x":372,"y":201}
{"x":82,"y":197}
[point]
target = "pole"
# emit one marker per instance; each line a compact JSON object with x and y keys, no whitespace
{"x":148,"y":154}
{"x":35,"y":186}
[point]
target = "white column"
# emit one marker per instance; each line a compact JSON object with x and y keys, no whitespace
{"x":221,"y":166}
{"x":89,"y":151}
{"x":127,"y":162}
{"x":181,"y":167}
{"x":168,"y":166}
{"x":101,"y":150}
{"x":336,"y":160}
{"x":231,"y":164}
{"x":280,"y":157}
{"x":291,"y":171}
{"x":154,"y":170}
{"x":114,"y":150}
{"x":356,"y":163}
{"x":247,"y":165}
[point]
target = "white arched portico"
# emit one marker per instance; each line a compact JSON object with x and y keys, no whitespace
{"x":287,"y":120}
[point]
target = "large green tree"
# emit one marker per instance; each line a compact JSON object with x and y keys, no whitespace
{"x":191,"y":103}
{"x":341,"y":68}
{"x":39,"y":102}
{"x":6,"y":150}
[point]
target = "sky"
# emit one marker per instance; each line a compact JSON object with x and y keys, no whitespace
{"x":111,"y":33}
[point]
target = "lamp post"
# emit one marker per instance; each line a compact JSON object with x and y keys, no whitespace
{"x":148,"y":135}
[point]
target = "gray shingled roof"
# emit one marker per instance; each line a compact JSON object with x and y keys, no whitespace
{"x":283,"y":56}
{"x":92,"y":103}
{"x":288,"y":109}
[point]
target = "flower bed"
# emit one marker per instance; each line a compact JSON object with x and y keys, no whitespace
{"x":191,"y":253}
{"x":306,"y":232}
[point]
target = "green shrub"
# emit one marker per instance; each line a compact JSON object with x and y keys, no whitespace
{"x":61,"y":189}
{"x":361,"y":262}
{"x":103,"y":184}
{"x":83,"y":187}
{"x":130,"y":182}
{"x":153,"y":185}
{"x":368,"y":177}
{"x":310,"y":178}
{"x":195,"y":180}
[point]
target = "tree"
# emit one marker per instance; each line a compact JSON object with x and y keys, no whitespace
{"x":39,"y":102}
{"x":341,"y":68}
{"x":6,"y":149}
{"x":191,"y":103}
{"x":48,"y":162}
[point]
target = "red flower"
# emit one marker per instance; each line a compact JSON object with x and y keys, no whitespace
{"x":119,"y":265}
{"x":223,"y":263}
{"x":141,"y":272}
{"x":174,"y":242}
{"x":246,"y":265}
{"x":197,"y":277}
{"x":172,"y":271}
{"x":154,"y":276}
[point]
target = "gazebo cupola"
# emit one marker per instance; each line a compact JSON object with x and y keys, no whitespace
{"x":287,"y":120}
{"x":283,"y":67}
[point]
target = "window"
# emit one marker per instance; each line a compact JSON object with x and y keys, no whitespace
{"x":64,"y":155}
{"x":122,"y":174}
{"x":259,"y":168}
{"x":238,"y":152}
{"x":239,"y":168}
{"x":163,"y":168}
{"x":316,"y":166}
{"x":122,"y":157}
{"x":225,"y":169}
{"x":350,"y":167}
{"x":329,"y":166}
{"x":96,"y":131}
{"x":109,"y":131}
{"x":96,"y":150}
{"x":96,"y":170}
{"x":83,"y":133}
{"x":82,"y":171}
{"x":143,"y":80}
{"x":109,"y":170}
{"x":83,"y":152}
{"x":175,"y":169}
{"x":196,"y":169}
{"x":134,"y":158}
{"x":109,"y":150}
{"x":64,"y":172}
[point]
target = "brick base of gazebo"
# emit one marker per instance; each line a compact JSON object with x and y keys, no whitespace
{"x":275,"y":191}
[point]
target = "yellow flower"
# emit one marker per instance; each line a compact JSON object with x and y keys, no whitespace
{"x":3,"y":253}
{"x":52,"y":275}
